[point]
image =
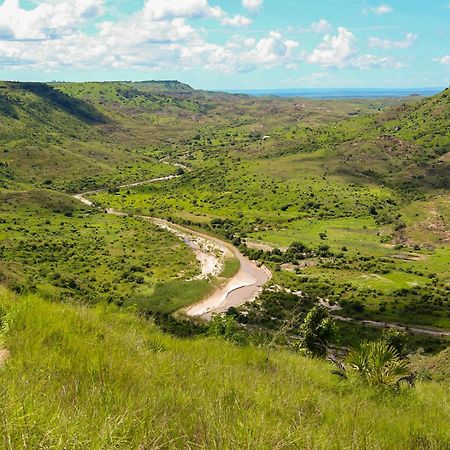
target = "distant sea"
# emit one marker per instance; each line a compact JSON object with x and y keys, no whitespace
{"x":339,"y":93}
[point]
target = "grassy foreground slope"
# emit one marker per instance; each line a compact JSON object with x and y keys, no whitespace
{"x":104,"y":378}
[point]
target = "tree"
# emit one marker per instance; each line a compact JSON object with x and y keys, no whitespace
{"x":297,"y":249}
{"x":378,"y":364}
{"x":317,"y":331}
{"x":397,"y":340}
{"x":223,"y":326}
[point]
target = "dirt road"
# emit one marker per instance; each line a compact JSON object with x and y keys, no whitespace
{"x":243,"y":287}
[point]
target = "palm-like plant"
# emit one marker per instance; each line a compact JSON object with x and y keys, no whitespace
{"x":378,"y":363}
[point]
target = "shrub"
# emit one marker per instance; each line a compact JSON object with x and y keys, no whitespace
{"x":317,"y":331}
{"x":378,"y":364}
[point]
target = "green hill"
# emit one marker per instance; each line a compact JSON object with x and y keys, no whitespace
{"x":104,"y":378}
{"x":78,"y":135}
{"x":407,"y":146}
{"x":49,"y":137}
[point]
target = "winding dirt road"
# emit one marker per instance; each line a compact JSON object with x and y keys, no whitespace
{"x":434,"y":332}
{"x":246,"y":284}
{"x":243,"y":287}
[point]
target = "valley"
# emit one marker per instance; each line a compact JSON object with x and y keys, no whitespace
{"x":374,"y":244}
{"x":180,"y":242}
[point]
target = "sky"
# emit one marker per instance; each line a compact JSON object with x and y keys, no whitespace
{"x":229,"y":44}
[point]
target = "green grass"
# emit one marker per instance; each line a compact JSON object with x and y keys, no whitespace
{"x":231,"y":267}
{"x":383,"y":282}
{"x":172,"y":295}
{"x":52,"y":244}
{"x":104,"y":378}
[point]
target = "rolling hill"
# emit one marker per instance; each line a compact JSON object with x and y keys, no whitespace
{"x":75,"y":135}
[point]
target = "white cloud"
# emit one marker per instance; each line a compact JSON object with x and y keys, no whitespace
{"x":272,"y":49}
{"x":154,"y":38}
{"x":371,"y":61}
{"x":163,"y":10}
{"x":388,"y":44}
{"x":47,"y":21}
{"x":252,"y":5}
{"x":162,"y":35}
{"x":334,"y":51}
{"x":445,"y":59}
{"x":247,"y":55}
{"x":379,"y":10}
{"x":340,"y":51}
{"x":320,"y":27}
{"x":236,"y":21}
{"x":170,"y":9}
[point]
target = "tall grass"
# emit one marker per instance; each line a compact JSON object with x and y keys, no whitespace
{"x":105,"y":379}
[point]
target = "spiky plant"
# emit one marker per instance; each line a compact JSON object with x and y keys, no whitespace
{"x":378,"y":363}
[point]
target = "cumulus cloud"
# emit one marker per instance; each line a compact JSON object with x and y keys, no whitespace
{"x":272,"y":49}
{"x":334,"y":51}
{"x":236,"y":21}
{"x":445,"y":59}
{"x":157,"y":37}
{"x":157,"y":10}
{"x":170,"y":9}
{"x":47,"y":21}
{"x":388,"y":44}
{"x":371,"y":61}
{"x":248,"y":54}
{"x":320,"y":27}
{"x":252,"y":5}
{"x":340,"y":51}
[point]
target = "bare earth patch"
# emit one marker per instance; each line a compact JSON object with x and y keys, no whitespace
{"x":410,"y":257}
{"x":4,"y":355}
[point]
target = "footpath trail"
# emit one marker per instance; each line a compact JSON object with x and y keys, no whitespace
{"x":241,"y":288}
{"x":434,"y":332}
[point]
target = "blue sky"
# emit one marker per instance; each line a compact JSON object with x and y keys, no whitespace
{"x":229,"y":44}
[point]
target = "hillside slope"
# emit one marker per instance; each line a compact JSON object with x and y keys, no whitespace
{"x":408,"y":146}
{"x":47,"y":136}
{"x":103,"y":378}
{"x":73,"y":136}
